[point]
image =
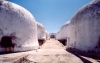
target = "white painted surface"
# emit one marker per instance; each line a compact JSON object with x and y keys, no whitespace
{"x":47,"y":35}
{"x":63,"y":32}
{"x":17,"y":21}
{"x":85,"y":27}
{"x":41,"y":32}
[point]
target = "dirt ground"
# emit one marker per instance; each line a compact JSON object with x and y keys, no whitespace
{"x":52,"y":51}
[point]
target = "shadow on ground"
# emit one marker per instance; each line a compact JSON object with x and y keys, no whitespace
{"x":3,"y":53}
{"x":79,"y":54}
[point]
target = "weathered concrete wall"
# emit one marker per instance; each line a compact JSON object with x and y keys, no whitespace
{"x":85,"y":28}
{"x":17,"y":21}
{"x":47,"y":35}
{"x":63,"y":32}
{"x":41,"y":32}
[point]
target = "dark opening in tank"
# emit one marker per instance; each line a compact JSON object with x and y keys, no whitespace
{"x":63,"y":41}
{"x":41,"y":41}
{"x":99,"y":42}
{"x":6,"y":43}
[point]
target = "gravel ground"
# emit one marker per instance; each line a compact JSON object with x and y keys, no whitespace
{"x":51,"y":51}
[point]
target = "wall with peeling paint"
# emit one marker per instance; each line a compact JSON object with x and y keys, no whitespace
{"x":19,"y":22}
{"x":41,"y":32}
{"x":63,"y":32}
{"x":85,"y":28}
{"x":47,"y":35}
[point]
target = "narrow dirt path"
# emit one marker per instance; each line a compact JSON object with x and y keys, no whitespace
{"x":52,"y":51}
{"x":52,"y":44}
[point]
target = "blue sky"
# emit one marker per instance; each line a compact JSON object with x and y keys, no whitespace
{"x":52,"y":13}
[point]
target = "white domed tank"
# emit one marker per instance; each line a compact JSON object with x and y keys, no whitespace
{"x":62,"y":35}
{"x":85,"y":28}
{"x":18,"y":28}
{"x":47,"y":35}
{"x":41,"y":33}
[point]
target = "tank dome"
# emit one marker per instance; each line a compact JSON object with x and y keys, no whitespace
{"x":63,"y":32}
{"x":41,"y":32}
{"x":88,"y":12}
{"x":62,"y":35}
{"x":19,"y":24}
{"x":85,"y":28}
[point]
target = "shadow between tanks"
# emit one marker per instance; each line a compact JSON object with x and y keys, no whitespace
{"x":79,"y":54}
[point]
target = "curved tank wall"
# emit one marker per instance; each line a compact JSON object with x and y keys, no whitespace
{"x":41,"y":32}
{"x":17,"y":22}
{"x":63,"y":32}
{"x":85,"y":28}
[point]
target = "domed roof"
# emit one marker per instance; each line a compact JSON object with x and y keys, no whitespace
{"x":91,"y":11}
{"x":41,"y":32}
{"x":17,"y":21}
{"x":62,"y":33}
{"x":39,"y":25}
{"x":66,"y":24}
